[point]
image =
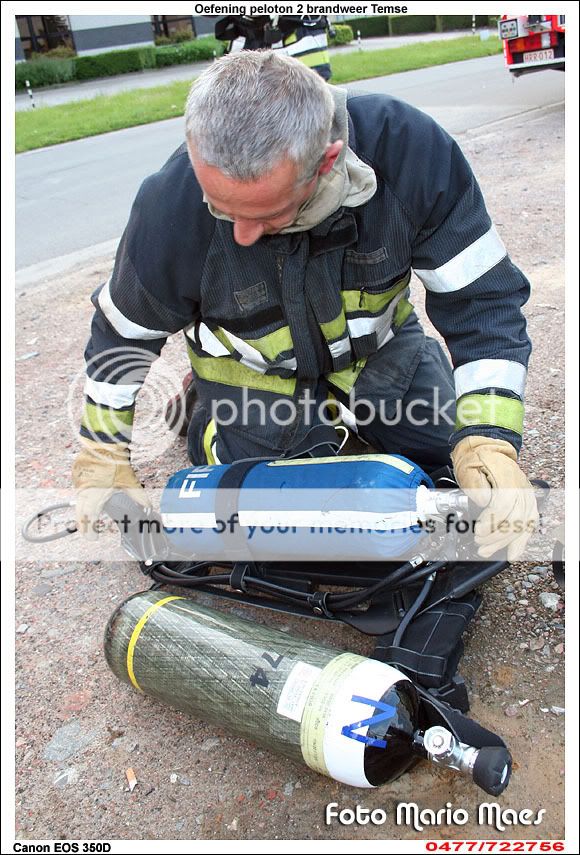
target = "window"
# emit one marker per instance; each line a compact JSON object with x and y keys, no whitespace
{"x":167,"y":25}
{"x":41,"y":33}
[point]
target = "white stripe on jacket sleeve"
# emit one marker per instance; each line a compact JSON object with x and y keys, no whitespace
{"x":125,"y":327}
{"x":112,"y":394}
{"x":306,"y":43}
{"x":496,"y":373}
{"x":471,"y":263}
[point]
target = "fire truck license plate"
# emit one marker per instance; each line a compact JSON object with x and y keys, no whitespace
{"x":538,"y":55}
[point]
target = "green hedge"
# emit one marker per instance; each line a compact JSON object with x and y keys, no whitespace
{"x":405,"y":24}
{"x":114,"y":62}
{"x":401,"y":25}
{"x":377,"y":25}
{"x":463,"y":22}
{"x":49,"y":72}
{"x":194,"y":51}
{"x":184,"y":34}
{"x":44,"y":72}
{"x":385,"y":25}
{"x":343,"y":34}
{"x":60,"y":52}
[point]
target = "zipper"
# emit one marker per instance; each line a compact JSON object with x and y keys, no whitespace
{"x":362,"y":296}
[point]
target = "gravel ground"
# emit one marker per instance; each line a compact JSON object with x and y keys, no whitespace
{"x":78,"y":730}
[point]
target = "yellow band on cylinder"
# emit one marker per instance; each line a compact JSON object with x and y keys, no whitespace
{"x":137,"y":632}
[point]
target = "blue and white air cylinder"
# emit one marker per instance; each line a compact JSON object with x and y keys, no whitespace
{"x":364,"y":507}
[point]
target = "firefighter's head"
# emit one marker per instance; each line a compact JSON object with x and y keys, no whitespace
{"x":258,"y":129}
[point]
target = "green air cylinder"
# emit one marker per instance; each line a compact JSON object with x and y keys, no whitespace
{"x":344,"y":715}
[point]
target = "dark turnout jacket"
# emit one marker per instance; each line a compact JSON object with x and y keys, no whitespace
{"x":298,"y":306}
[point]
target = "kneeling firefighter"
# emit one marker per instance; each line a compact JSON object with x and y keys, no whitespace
{"x":280,"y":237}
{"x":301,"y":36}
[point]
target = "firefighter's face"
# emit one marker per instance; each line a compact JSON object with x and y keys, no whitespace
{"x":265,"y":206}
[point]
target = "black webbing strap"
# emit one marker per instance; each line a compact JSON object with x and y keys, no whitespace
{"x":320,"y":438}
{"x":227,"y":506}
{"x":463,"y":728}
{"x":432,"y":645}
{"x":238,"y":576}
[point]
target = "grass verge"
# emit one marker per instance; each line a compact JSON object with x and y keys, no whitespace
{"x":362,"y":65}
{"x":65,"y":122}
{"x":52,"y":125}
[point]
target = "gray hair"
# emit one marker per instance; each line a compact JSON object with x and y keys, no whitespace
{"x":251,"y":109}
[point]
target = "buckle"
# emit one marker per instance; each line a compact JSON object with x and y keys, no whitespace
{"x":317,"y":603}
{"x":237,"y":577}
{"x":453,"y":693}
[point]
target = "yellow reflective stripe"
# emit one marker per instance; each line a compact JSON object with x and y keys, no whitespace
{"x":402,"y":312}
{"x":291,"y":39}
{"x":226,"y":370}
{"x":334,"y":329}
{"x":490,"y":410}
{"x":363,"y":301}
{"x":345,"y":379}
{"x":320,"y":57}
{"x":271,"y":345}
{"x":208,"y":437}
{"x":332,"y":406}
{"x":386,"y":459}
{"x":137,"y":632}
{"x":99,"y":419}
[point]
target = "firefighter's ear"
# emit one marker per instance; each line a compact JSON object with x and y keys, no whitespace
{"x":332,"y":151}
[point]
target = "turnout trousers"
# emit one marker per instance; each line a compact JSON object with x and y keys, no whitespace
{"x":400,"y":401}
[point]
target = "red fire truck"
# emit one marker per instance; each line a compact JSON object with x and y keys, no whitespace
{"x":532,"y":42}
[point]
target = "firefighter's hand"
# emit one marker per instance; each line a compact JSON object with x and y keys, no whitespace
{"x":99,"y":470}
{"x":487,"y":470}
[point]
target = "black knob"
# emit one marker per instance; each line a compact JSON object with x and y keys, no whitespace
{"x":492,"y":770}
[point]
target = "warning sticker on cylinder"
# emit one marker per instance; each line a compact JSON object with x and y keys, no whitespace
{"x":295,"y":692}
{"x":319,"y":707}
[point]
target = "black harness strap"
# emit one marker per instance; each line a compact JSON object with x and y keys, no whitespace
{"x":320,"y":438}
{"x":462,"y":727}
{"x":227,"y":507}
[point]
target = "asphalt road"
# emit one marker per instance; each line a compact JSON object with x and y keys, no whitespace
{"x":79,"y":91}
{"x":77,"y":195}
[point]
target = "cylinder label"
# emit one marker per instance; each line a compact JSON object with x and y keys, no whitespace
{"x":295,"y":690}
{"x":338,"y":713}
{"x":346,"y":734}
{"x":318,"y":709}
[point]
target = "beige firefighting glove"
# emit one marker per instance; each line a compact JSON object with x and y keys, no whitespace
{"x":487,"y":470}
{"x":100,"y":470}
